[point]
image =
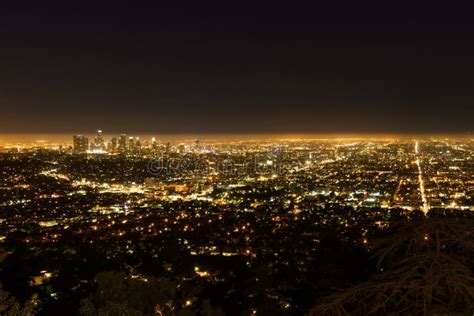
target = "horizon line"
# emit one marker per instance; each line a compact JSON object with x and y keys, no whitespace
{"x":467,"y":133}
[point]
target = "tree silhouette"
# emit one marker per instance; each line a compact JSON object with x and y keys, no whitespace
{"x":425,"y":269}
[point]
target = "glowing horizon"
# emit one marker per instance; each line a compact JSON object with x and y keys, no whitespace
{"x":55,"y":139}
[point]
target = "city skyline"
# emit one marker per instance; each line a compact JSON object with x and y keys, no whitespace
{"x":53,"y":140}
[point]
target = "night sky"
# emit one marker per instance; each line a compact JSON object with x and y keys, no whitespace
{"x":205,"y":69}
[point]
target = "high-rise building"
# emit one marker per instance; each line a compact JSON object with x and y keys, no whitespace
{"x":197,"y":145}
{"x":131,"y":143}
{"x":122,"y":143}
{"x":113,"y":144}
{"x":99,"y":141}
{"x":80,"y":144}
{"x":138,"y":143}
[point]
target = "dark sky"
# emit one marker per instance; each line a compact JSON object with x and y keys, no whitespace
{"x":206,"y":69}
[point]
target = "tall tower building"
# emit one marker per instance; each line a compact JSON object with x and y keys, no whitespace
{"x":99,"y":140}
{"x":197,"y":145}
{"x":113,"y":144}
{"x":138,"y":143}
{"x":131,"y":143}
{"x":80,"y":144}
{"x":122,"y":143}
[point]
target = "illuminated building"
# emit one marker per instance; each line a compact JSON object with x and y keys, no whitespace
{"x":80,"y":144}
{"x":131,"y":143}
{"x":197,"y":145}
{"x":122,"y":143}
{"x":99,"y":142}
{"x":138,"y":143}
{"x":113,"y":144}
